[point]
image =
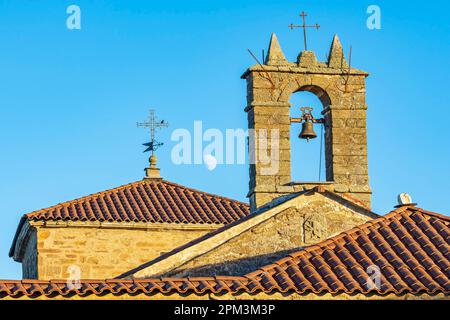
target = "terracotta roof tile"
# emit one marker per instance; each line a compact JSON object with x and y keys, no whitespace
{"x":147,"y":201}
{"x":410,"y":246}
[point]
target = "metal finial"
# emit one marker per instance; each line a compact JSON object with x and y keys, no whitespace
{"x":304,"y":26}
{"x":152,"y":172}
{"x":153,"y":124}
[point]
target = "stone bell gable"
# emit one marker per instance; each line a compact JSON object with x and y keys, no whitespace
{"x":342,"y":92}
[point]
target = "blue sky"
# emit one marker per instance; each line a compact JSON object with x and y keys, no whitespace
{"x":69,"y":99}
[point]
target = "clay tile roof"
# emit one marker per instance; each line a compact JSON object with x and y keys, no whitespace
{"x":147,"y":201}
{"x":410,"y":246}
{"x":52,"y":288}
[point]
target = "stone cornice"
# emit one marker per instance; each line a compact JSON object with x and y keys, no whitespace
{"x":294,"y":68}
{"x":124,"y":225}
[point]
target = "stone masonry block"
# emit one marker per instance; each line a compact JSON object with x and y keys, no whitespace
{"x":344,"y":102}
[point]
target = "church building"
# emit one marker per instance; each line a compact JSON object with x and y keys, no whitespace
{"x":156,"y":239}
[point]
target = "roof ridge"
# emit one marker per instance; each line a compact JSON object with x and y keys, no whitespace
{"x":433,"y":214}
{"x":353,"y":199}
{"x":125,"y":186}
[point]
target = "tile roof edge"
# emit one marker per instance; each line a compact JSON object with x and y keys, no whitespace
{"x":353,"y":201}
{"x":431,"y":213}
{"x":114,"y":280}
{"x":412,"y":209}
{"x":244,"y":283}
{"x":12,"y":249}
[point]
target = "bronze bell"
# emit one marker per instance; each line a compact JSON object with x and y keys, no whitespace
{"x":307,"y":131}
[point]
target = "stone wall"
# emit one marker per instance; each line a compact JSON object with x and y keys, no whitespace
{"x":99,"y":253}
{"x":309,"y":220}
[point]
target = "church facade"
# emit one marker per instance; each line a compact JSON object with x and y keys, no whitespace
{"x":154,"y":239}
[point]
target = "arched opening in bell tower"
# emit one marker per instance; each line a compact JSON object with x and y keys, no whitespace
{"x":308,"y":156}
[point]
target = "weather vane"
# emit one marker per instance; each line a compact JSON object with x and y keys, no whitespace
{"x":304,"y":26}
{"x":153,"y":124}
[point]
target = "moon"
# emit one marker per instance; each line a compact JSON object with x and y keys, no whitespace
{"x":210,"y":162}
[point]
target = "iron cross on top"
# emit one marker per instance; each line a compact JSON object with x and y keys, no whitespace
{"x":304,"y":26}
{"x":153,"y":123}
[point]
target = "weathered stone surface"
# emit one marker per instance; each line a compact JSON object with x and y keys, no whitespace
{"x":307,"y":59}
{"x":308,"y":220}
{"x":98,"y":253}
{"x":275,"y":55}
{"x":342,"y":93}
{"x":336,"y":58}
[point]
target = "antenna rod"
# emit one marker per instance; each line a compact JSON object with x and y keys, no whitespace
{"x":264,"y":69}
{"x":321,"y":150}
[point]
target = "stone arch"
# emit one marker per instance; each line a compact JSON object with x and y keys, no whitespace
{"x":318,"y":91}
{"x":325,"y":99}
{"x":307,"y":84}
{"x":308,"y":158}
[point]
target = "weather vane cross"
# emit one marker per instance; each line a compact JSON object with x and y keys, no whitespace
{"x":153,"y":124}
{"x":304,"y":26}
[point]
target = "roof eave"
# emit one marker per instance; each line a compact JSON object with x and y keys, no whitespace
{"x":15,"y":246}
